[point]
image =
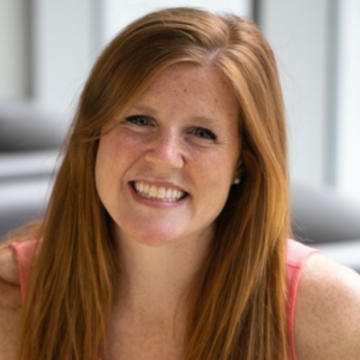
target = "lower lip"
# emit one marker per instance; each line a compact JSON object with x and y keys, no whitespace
{"x":154,"y":203}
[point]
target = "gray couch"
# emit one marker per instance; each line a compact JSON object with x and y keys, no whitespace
{"x":30,"y":135}
{"x":322,"y":218}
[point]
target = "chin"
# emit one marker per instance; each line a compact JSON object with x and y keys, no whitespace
{"x":155,"y":242}
{"x":153,"y":237}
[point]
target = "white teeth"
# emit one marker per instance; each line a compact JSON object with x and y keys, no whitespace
{"x":161,"y":193}
{"x":152,"y":192}
{"x":168,"y":193}
{"x":146,"y":188}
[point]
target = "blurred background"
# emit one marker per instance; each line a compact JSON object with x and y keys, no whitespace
{"x":47,"y":49}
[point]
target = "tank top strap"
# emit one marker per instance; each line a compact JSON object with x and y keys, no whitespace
{"x":24,"y":252}
{"x":297,"y":254}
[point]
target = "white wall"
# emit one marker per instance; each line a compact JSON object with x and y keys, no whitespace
{"x":63,"y":50}
{"x":297,"y":32}
{"x":48,"y":47}
{"x":14,"y":82}
{"x":117,"y":15}
{"x":348,"y":114}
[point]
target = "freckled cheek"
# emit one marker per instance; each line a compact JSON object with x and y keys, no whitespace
{"x":107,"y":160}
{"x":128,"y":145}
{"x":212,"y":171}
{"x":118,"y":150}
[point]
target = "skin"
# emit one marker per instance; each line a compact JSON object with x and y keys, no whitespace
{"x":186,"y":126}
{"x":10,"y":304}
{"x":167,"y":145}
{"x":327,"y":317}
{"x":162,"y":245}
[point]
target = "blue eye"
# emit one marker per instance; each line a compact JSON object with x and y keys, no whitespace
{"x":204,"y":133}
{"x":139,"y":120}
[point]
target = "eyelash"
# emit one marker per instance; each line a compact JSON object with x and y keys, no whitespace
{"x":207,"y":134}
{"x":135,"y":118}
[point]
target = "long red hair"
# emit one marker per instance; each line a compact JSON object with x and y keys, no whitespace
{"x":237,"y":306}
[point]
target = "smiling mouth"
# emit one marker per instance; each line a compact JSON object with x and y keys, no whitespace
{"x":158,"y":193}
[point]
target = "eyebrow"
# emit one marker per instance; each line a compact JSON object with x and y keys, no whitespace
{"x":141,"y":108}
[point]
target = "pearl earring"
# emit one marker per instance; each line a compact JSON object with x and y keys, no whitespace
{"x":236,"y":181}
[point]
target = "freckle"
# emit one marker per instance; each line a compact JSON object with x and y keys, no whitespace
{"x":185,"y":90}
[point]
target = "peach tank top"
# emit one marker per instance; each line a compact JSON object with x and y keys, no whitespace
{"x":296,"y":256}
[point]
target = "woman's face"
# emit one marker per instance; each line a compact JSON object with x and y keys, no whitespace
{"x":164,"y":172}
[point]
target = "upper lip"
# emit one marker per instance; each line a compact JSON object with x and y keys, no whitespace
{"x":161,"y":183}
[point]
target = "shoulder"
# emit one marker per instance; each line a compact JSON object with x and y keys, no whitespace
{"x":9,"y":272}
{"x":10,"y":302}
{"x":327,"y":317}
{"x":10,"y":297}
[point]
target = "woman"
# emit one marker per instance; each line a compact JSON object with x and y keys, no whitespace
{"x":167,"y":232}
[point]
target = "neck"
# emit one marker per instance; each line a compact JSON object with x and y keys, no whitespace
{"x":155,"y":278}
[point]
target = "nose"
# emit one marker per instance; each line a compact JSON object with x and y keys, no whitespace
{"x":166,"y":151}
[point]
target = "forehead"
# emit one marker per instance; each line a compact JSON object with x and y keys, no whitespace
{"x":189,"y":77}
{"x":194,"y":88}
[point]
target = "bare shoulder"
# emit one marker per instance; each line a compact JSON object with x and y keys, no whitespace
{"x":8,"y":265}
{"x":10,"y":303}
{"x":327,"y":317}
